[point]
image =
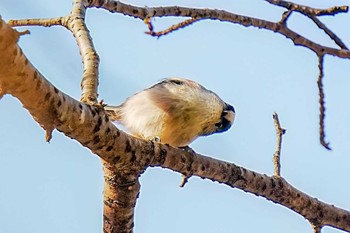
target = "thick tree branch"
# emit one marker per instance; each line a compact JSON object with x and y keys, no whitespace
{"x":75,"y":22}
{"x":221,"y":15}
{"x":121,"y":190}
{"x":274,"y":188}
{"x":53,"y":109}
{"x":127,"y":157}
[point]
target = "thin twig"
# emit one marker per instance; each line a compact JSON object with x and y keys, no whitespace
{"x":225,"y":16}
{"x":276,"y":157}
{"x":184,"y":180}
{"x":38,"y":22}
{"x":25,"y":32}
{"x":285,"y":17}
{"x":331,"y":34}
{"x":306,"y":10}
{"x":173,"y":28}
{"x":322,"y":103}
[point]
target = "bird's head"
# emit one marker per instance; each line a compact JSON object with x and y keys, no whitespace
{"x":226,"y":119}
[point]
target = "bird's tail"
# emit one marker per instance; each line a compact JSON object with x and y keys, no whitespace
{"x":113,"y":112}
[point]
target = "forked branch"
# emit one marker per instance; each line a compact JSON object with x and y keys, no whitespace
{"x":225,"y":16}
{"x":307,"y":10}
{"x":75,"y":22}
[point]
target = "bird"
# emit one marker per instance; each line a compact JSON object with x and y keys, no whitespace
{"x":174,"y":111}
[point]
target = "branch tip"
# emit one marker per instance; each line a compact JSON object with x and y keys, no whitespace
{"x":322,"y":103}
{"x":48,"y":136}
{"x":26,"y":32}
{"x":276,"y":156}
{"x":184,"y":180}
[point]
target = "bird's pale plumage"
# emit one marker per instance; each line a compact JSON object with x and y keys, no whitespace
{"x":175,"y":110}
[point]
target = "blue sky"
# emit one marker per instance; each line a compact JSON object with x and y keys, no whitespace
{"x":57,"y":187}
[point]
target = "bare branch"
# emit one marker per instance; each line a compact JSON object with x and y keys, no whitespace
{"x":306,"y":10}
{"x":125,"y":157}
{"x":221,"y":15}
{"x":38,"y":22}
{"x":312,"y":13}
{"x":276,"y":157}
{"x":331,"y":34}
{"x":75,"y":22}
{"x":172,"y":28}
{"x":322,"y":103}
{"x":90,"y":126}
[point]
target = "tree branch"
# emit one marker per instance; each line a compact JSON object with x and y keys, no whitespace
{"x":276,"y":157}
{"x":75,"y":22}
{"x":322,"y":104}
{"x":173,"y":28}
{"x":121,"y":190}
{"x":275,"y":189}
{"x":331,"y":34}
{"x":306,"y":10}
{"x":278,"y":27}
{"x":89,"y":125}
{"x":221,"y":15}
{"x":37,"y":22}
{"x":127,"y":157}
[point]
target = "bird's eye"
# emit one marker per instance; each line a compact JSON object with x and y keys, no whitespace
{"x":176,"y":82}
{"x":218,"y":125}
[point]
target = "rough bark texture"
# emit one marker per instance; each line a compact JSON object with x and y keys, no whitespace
{"x":121,"y":190}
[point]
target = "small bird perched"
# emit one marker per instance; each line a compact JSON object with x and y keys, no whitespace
{"x":175,"y":110}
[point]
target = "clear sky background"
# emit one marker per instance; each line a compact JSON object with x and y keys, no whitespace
{"x":57,"y":187}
